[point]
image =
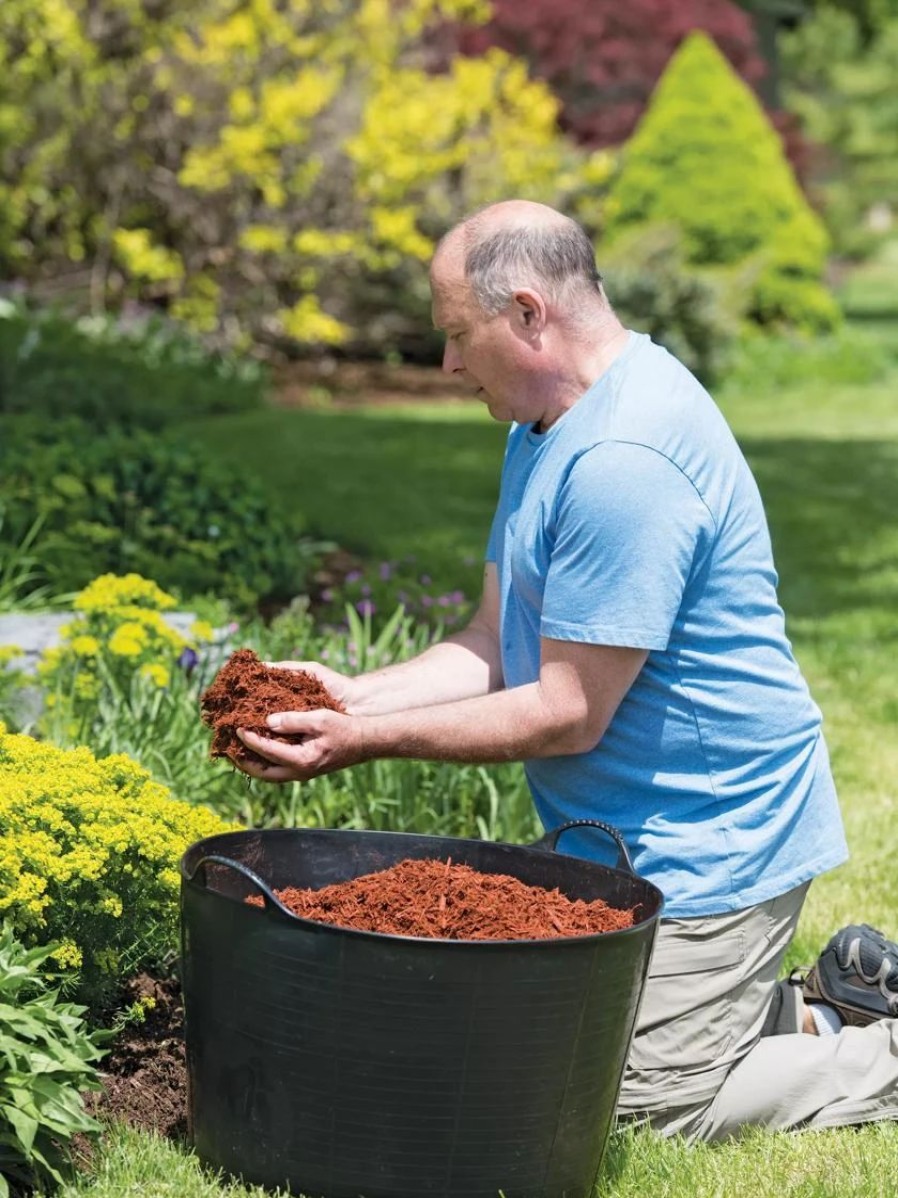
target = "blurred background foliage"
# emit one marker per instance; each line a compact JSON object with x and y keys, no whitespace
{"x":275,"y":174}
{"x":193,"y":193}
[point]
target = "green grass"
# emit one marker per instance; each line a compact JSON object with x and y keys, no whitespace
{"x":855,"y":1163}
{"x":423,"y":481}
{"x":387,"y":482}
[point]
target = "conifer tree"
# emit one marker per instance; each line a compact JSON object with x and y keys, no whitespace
{"x":706,"y":160}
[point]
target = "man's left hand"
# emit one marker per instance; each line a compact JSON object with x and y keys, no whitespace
{"x":329,"y":741}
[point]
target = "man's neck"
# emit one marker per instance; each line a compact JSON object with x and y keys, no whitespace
{"x":587,"y":364}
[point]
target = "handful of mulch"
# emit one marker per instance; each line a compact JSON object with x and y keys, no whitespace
{"x":246,"y":691}
{"x":442,"y":901}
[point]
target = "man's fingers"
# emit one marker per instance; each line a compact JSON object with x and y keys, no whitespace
{"x":294,"y":723}
{"x":266,"y":772}
{"x":277,"y":751}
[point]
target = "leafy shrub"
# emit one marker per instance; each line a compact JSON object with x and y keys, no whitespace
{"x":684,"y":308}
{"x":706,"y":159}
{"x":88,"y":857}
{"x":768,"y":363}
{"x":47,"y":1059}
{"x":145,"y":503}
{"x":53,"y":367}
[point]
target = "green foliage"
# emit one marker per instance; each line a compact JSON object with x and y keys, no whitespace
{"x":47,"y":1060}
{"x":20,"y":571}
{"x":266,"y":170}
{"x":148,"y":503}
{"x":124,"y":681}
{"x":842,"y":85}
{"x":12,"y":680}
{"x":376,"y":588}
{"x":705,"y":159}
{"x":396,"y":795}
{"x":142,"y":376}
{"x":683,"y":307}
{"x":119,"y":635}
{"x":774,"y":363}
{"x":88,"y":857}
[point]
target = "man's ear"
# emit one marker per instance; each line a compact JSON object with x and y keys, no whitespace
{"x":530,"y":312}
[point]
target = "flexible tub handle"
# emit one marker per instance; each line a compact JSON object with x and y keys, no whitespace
{"x":550,"y":840}
{"x":271,"y":900}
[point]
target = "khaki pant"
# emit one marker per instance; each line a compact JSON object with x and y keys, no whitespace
{"x":718,"y":1044}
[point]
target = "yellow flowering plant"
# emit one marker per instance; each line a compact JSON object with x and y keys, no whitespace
{"x":119,"y":643}
{"x":89,"y":851}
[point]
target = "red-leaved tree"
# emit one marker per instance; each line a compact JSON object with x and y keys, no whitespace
{"x":603,"y":57}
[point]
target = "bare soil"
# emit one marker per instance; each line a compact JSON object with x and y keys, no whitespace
{"x":145,"y":1074}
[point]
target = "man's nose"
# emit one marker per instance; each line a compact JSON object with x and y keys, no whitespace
{"x":451,"y":358}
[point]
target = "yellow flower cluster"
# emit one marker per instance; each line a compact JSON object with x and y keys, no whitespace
{"x":89,"y":852}
{"x":111,"y":592}
{"x":120,"y":629}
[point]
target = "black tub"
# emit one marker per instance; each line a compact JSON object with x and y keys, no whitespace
{"x":351,"y":1064}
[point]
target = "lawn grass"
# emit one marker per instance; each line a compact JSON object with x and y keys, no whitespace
{"x":387,"y":482}
{"x":423,"y":481}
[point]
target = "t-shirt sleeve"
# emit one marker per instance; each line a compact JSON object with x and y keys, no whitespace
{"x":630,"y":529}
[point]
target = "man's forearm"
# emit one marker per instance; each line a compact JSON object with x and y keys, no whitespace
{"x":461,"y":667}
{"x":511,"y":725}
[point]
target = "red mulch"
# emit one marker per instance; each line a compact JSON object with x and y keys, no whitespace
{"x":246,"y":691}
{"x":442,"y":901}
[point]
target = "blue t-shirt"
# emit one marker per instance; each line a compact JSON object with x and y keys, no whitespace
{"x":635,"y":521}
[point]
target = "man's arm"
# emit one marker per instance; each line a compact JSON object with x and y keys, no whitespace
{"x":461,"y":666}
{"x":565,"y":711}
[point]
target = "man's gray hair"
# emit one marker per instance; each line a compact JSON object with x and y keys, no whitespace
{"x":557,"y":260}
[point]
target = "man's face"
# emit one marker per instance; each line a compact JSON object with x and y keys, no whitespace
{"x":482,"y":351}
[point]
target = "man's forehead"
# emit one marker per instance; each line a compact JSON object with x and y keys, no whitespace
{"x":449,"y":288}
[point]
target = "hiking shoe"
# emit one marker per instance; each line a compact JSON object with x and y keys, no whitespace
{"x":857,"y":973}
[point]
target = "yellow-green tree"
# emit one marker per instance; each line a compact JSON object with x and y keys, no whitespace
{"x":275,"y":169}
{"x":706,"y":161}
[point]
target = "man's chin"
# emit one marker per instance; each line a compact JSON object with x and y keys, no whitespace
{"x":495,"y":407}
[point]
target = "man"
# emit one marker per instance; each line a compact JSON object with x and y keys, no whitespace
{"x":630,"y":649}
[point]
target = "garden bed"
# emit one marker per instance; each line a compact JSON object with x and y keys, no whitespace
{"x":144,"y":1076}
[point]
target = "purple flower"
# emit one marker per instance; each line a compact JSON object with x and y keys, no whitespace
{"x":327,"y":594}
{"x":366,"y":590}
{"x":425,"y":580}
{"x":443,"y":601}
{"x":353,"y":576}
{"x":386,"y":571}
{"x":365,"y":607}
{"x":188,"y":659}
{"x":456,"y":596}
{"x":426,"y":601}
